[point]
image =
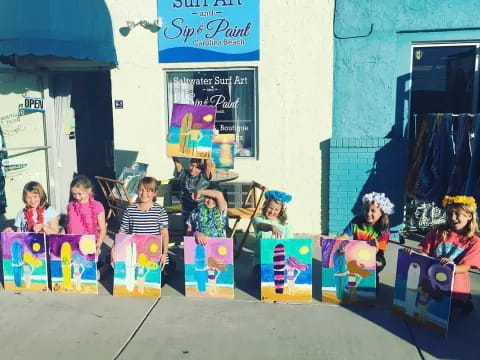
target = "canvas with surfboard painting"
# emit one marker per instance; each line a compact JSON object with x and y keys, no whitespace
{"x":423,"y":291}
{"x":209,"y":268}
{"x":286,"y":270}
{"x":191,"y":131}
{"x":24,"y":261}
{"x":73,"y":263}
{"x":348,"y":272}
{"x":137,"y":271}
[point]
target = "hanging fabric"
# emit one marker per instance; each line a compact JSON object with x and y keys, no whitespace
{"x":461,"y":136}
{"x":472,"y":187}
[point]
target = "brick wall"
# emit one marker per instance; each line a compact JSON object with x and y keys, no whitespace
{"x":362,"y":165}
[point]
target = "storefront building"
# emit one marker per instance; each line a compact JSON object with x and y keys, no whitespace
{"x":265,"y":65}
{"x":401,"y":67}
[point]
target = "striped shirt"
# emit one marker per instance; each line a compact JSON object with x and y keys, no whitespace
{"x":135,"y":221}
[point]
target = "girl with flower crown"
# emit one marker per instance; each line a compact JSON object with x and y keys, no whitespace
{"x":209,"y":219}
{"x":372,"y":225}
{"x":272,"y":222}
{"x":37,"y":216}
{"x":457,"y":242}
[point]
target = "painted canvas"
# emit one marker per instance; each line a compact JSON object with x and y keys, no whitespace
{"x":137,"y":269}
{"x":24,"y":261}
{"x":191,"y":131}
{"x":286,"y":270}
{"x":223,"y":151}
{"x":348,"y":272}
{"x":209,"y":268}
{"x":73,"y":263}
{"x":423,"y":291}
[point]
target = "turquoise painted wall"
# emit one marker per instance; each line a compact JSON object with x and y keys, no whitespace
{"x":371,"y":92}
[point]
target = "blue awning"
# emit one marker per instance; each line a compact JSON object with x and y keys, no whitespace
{"x":77,"y":29}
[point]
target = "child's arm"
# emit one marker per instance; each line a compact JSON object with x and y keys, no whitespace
{"x":343,"y":236}
{"x":209,"y":168}
{"x":102,"y":225}
{"x":216,"y":194}
{"x":267,"y":227}
{"x":165,"y":241}
{"x":51,"y":228}
{"x":178,"y":164}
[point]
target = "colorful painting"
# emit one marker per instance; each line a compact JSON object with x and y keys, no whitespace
{"x":191,"y":131}
{"x":209,"y":268}
{"x":137,"y":269}
{"x":348,"y":272}
{"x":286,"y":270}
{"x":73,"y":263}
{"x":423,"y":291}
{"x":223,"y":151}
{"x":24,"y":261}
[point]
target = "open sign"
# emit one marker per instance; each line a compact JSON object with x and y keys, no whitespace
{"x":33,"y":104}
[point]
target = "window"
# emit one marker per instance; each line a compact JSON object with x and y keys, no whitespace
{"x":232,"y":91}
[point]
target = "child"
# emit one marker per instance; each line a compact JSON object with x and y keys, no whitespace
{"x":85,"y":215}
{"x":147,"y":217}
{"x":197,"y":177}
{"x":372,"y":225}
{"x":457,"y":242}
{"x":209,"y":219}
{"x":37,"y":216}
{"x":272,"y":223}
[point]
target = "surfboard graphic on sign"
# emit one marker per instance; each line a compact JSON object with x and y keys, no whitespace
{"x":73,"y":263}
{"x":137,"y":269}
{"x":24,"y":261}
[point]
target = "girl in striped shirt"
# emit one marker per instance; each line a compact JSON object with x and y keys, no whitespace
{"x":147,"y":217}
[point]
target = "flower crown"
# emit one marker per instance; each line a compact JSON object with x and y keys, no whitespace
{"x":459,"y":199}
{"x":381,"y":200}
{"x":279,"y":196}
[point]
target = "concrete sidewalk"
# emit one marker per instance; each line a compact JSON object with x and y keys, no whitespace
{"x":54,"y":326}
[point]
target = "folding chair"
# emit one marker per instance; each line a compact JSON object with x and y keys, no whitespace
{"x":250,"y":207}
{"x":115,"y":194}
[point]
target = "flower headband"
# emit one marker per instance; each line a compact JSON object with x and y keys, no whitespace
{"x":381,"y":200}
{"x":459,"y":199}
{"x":279,"y":196}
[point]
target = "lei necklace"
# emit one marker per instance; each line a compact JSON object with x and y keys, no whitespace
{"x":89,"y":225}
{"x":29,"y":217}
{"x":204,"y":221}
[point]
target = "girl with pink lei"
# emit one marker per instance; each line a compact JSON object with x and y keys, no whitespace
{"x":457,"y":242}
{"x":85,"y":215}
{"x":38,"y":215}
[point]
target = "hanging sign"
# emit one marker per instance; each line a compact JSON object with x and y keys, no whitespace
{"x":35,"y":104}
{"x":208,"y":30}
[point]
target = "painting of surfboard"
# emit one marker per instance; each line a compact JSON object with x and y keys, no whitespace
{"x":73,"y":263}
{"x":223,"y":151}
{"x":348,"y":272}
{"x":423,"y":291}
{"x":209,"y":268}
{"x":24,"y":261}
{"x":191,"y":131}
{"x":286,"y":270}
{"x":137,"y":269}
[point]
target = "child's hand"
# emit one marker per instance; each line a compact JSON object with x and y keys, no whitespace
{"x":195,"y":195}
{"x":37,"y":228}
{"x":409,"y":251}
{"x":8,"y":229}
{"x":201,"y":238}
{"x":164,"y":261}
{"x":168,"y":136}
{"x":445,"y":261}
{"x":277,"y":234}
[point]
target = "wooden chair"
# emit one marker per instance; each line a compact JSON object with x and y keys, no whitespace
{"x":115,"y":194}
{"x":250,"y":208}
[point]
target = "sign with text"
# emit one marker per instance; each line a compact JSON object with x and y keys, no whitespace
{"x":208,"y":30}
{"x":30,"y":103}
{"x":231,"y":91}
